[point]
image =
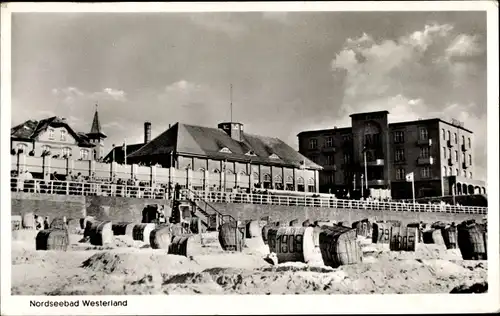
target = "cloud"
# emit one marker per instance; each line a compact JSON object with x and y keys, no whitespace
{"x":416,"y":76}
{"x":465,"y":46}
{"x":113,"y":94}
{"x":72,"y":95}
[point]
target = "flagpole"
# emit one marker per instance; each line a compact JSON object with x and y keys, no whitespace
{"x":366,"y":170}
{"x":362,"y":195}
{"x":125,"y":150}
{"x":413,"y":187}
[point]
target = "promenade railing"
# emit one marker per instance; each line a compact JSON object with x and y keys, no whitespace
{"x":286,"y":198}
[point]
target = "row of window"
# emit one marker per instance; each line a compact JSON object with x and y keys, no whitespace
{"x":313,"y":142}
{"x":399,"y":154}
{"x":455,"y":138}
{"x":267,"y":177}
{"x":62,"y":134}
{"x":449,"y":172}
{"x":425,"y":173}
{"x":330,"y":161}
{"x":66,"y":151}
{"x":456,"y":156}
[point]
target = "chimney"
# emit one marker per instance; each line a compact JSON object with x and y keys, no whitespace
{"x":147,"y":132}
{"x":233,"y":129}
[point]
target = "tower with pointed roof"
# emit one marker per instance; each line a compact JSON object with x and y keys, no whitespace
{"x":96,"y":137}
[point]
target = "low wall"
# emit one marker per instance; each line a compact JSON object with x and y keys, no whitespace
{"x":71,"y":206}
{"x":130,"y":210}
{"x":289,"y":213}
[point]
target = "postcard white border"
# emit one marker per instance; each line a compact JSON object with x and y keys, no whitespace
{"x":252,"y":304}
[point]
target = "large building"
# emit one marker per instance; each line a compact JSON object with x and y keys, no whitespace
{"x":438,"y":153}
{"x":118,"y":153}
{"x":54,"y":136}
{"x":270,"y":162}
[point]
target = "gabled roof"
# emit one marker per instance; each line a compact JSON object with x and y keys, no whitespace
{"x":120,"y":154}
{"x":31,"y":129}
{"x":207,"y":142}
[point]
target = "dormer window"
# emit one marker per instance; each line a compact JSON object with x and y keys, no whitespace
{"x":225,"y":150}
{"x":274,"y":156}
{"x":51,"y":133}
{"x":250,"y":153}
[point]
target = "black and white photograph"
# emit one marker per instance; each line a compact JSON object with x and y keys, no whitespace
{"x":284,"y":150}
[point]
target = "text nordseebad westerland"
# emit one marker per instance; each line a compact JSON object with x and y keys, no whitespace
{"x":78,"y":303}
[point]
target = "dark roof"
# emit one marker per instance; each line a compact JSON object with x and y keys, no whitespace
{"x":31,"y":129}
{"x":397,"y":124}
{"x":369,"y":113}
{"x":95,"y":130}
{"x":329,"y":130}
{"x":427,"y":121}
{"x":201,"y":141}
{"x":119,"y":152}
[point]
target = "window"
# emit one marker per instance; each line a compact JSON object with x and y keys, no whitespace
{"x":450,"y":173}
{"x":464,"y":174}
{"x":289,"y":179}
{"x":399,"y":137}
{"x":313,"y":143}
{"x":424,"y":152}
{"x":310,"y":185}
{"x":470,"y":160}
{"x":251,"y":153}
{"x":400,"y":174}
{"x":274,"y":156}
{"x":346,"y":137}
{"x":315,"y":159}
{"x":63,"y":135}
{"x":425,"y":172}
{"x":463,"y":140}
{"x":470,"y":175}
{"x":449,"y":135}
{"x":347,"y":158}
{"x":225,"y":150}
{"x":267,"y":178}
{"x":66,"y":151}
{"x":455,"y":139}
{"x":368,"y":139}
{"x":330,"y":179}
{"x":456,"y":172}
{"x":463,"y":158}
{"x":84,"y":154}
{"x":444,"y":134}
{"x":423,"y":133}
{"x":399,"y":155}
{"x":300,"y":181}
{"x":469,"y":143}
{"x":445,"y":172}
{"x":329,"y":160}
{"x":456,"y":155}
{"x":444,"y":152}
{"x":278,"y":179}
{"x":449,"y":153}
{"x":51,"y":133}
{"x":329,"y":141}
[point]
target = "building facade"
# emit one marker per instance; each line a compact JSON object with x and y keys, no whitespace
{"x":438,"y":153}
{"x":268,"y":162}
{"x":53,"y":136}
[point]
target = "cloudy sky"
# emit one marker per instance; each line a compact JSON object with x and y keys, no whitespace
{"x":290,"y":71}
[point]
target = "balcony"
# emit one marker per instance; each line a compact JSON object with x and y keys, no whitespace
{"x":448,"y":143}
{"x":329,"y":149}
{"x":330,"y":167}
{"x":464,"y":165}
{"x":464,"y":148}
{"x":376,"y":162}
{"x":377,"y":182}
{"x":450,"y":162}
{"x":424,"y":142}
{"x":425,"y":161}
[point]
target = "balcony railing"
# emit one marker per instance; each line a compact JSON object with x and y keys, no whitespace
{"x":425,"y":161}
{"x":376,"y":162}
{"x":424,"y":142}
{"x":287,"y":198}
